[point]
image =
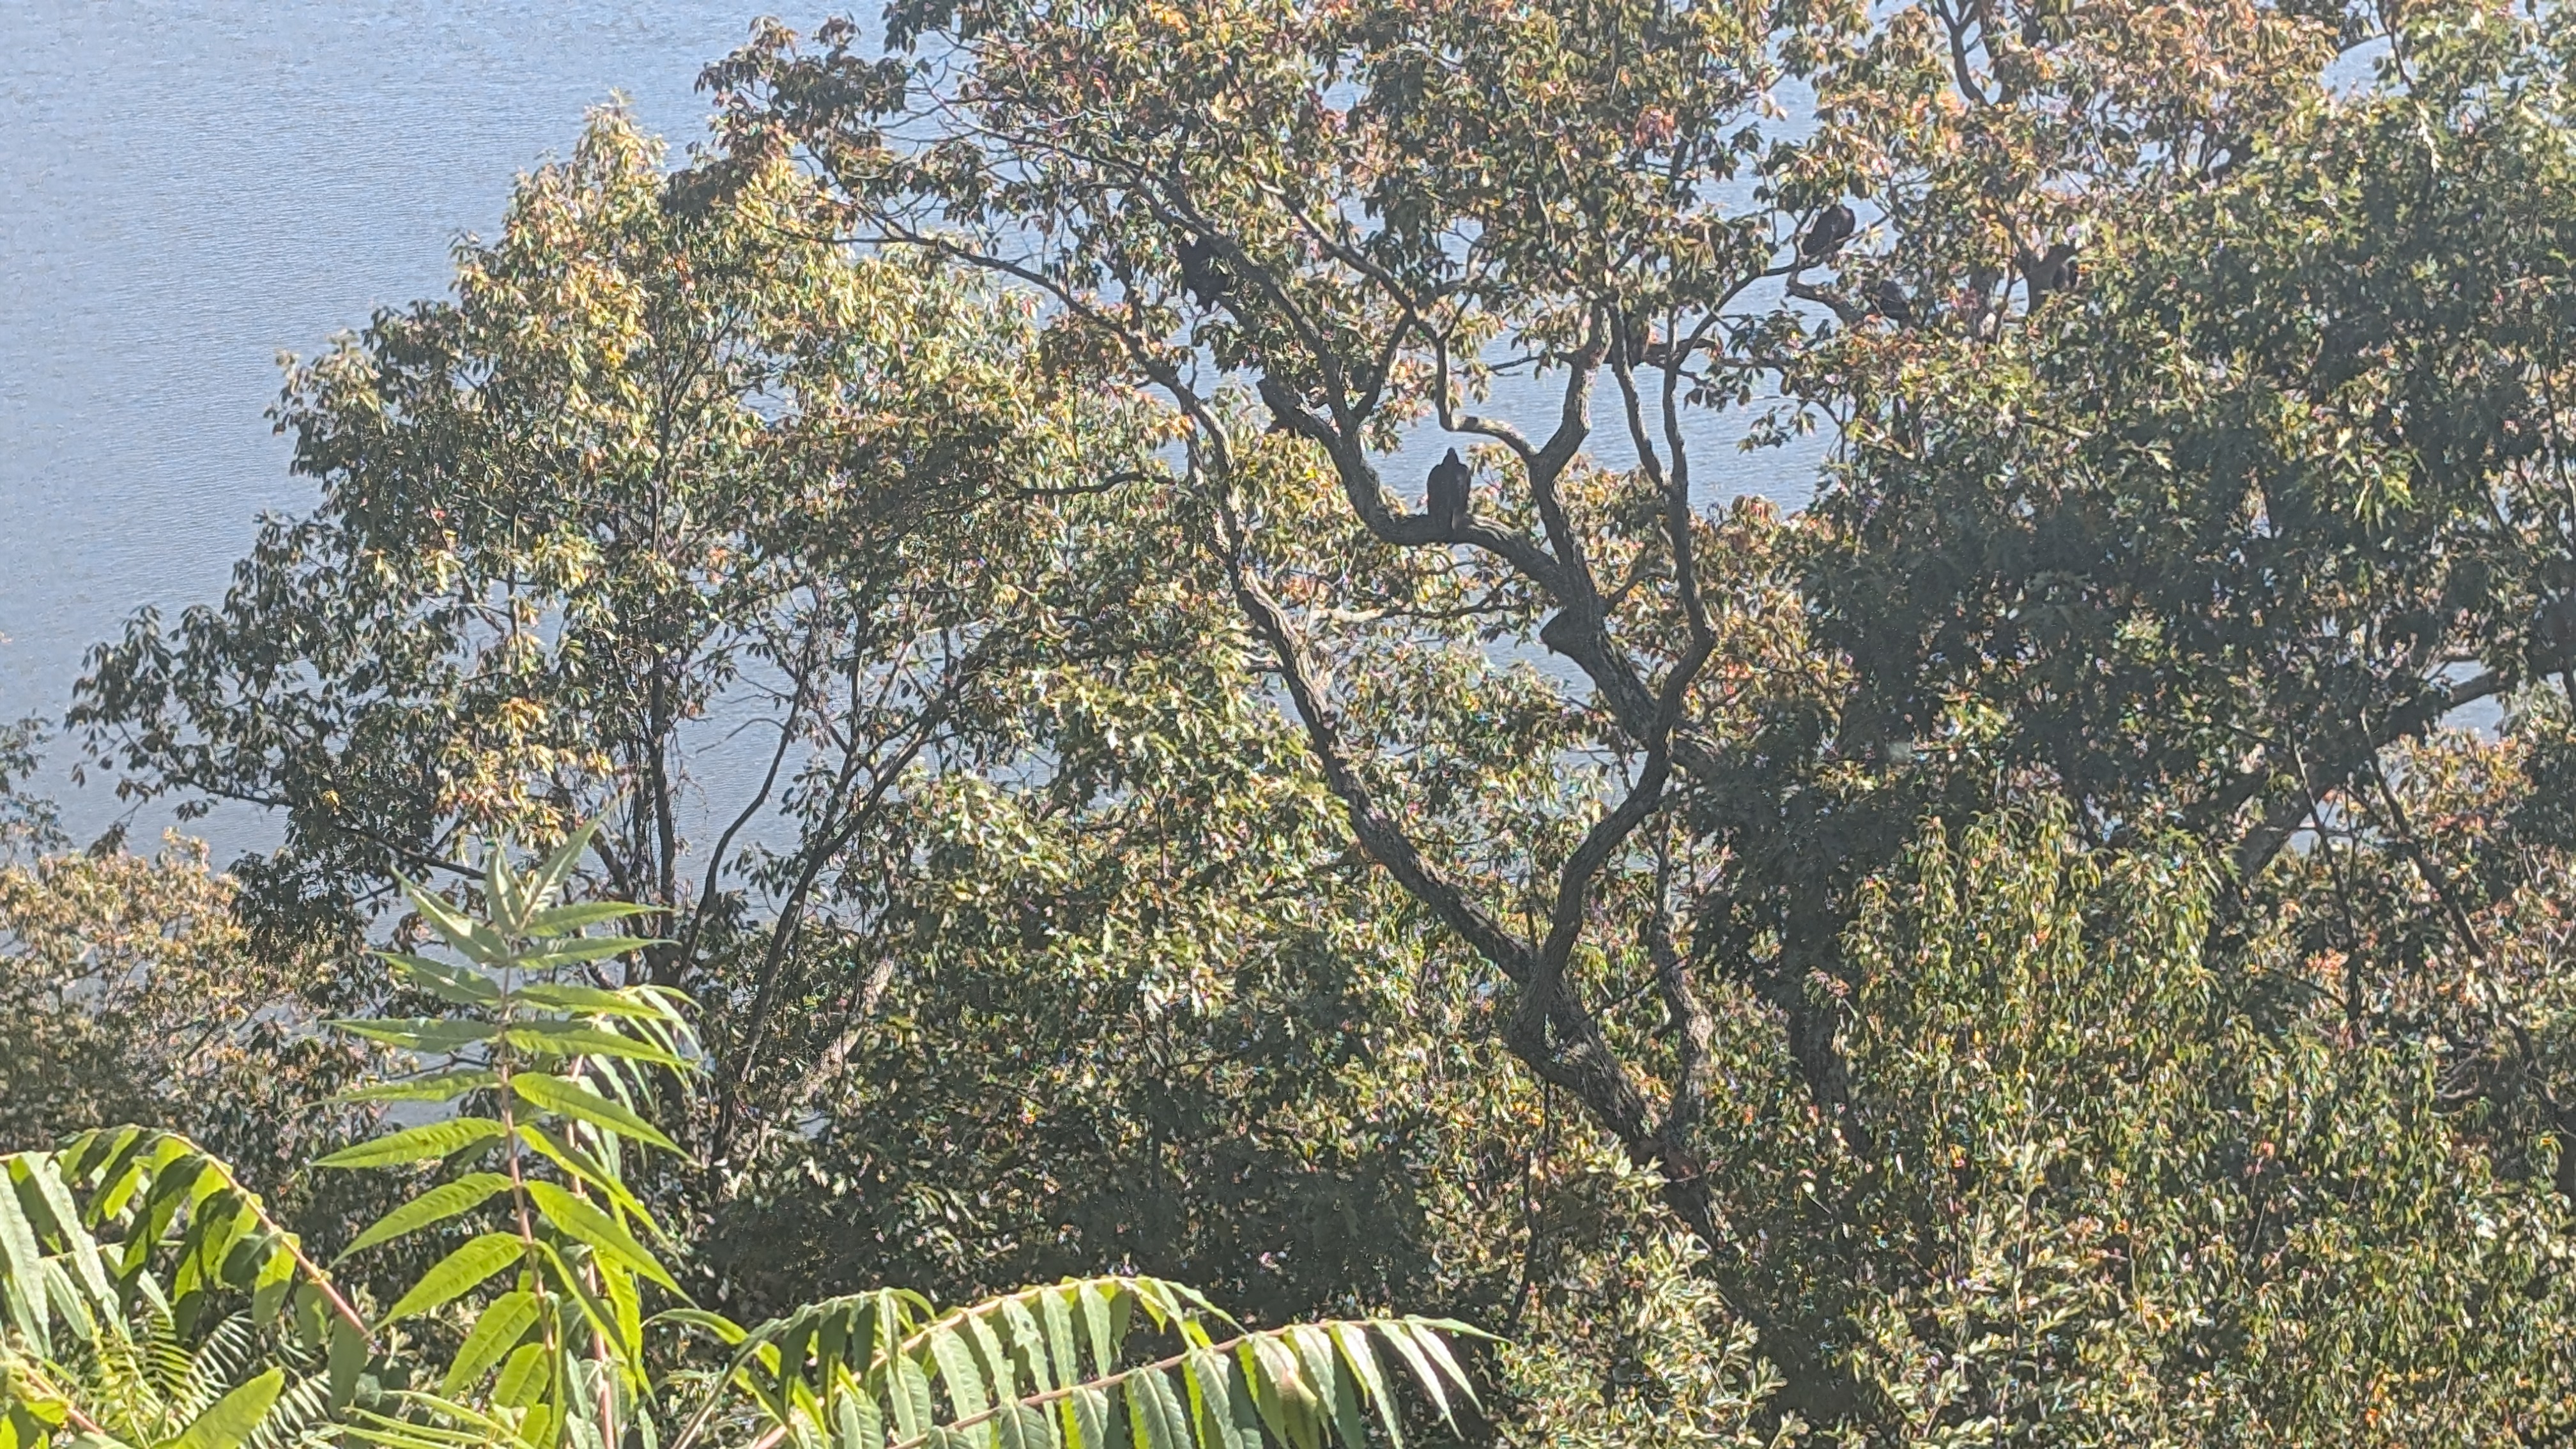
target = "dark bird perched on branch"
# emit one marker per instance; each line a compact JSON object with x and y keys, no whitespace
{"x":2050,"y":271}
{"x":1888,"y":300}
{"x":1827,"y":233}
{"x":1446,"y":497}
{"x":1201,"y":272}
{"x":2553,"y":627}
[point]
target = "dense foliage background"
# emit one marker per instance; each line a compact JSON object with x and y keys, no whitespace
{"x":1264,"y":752}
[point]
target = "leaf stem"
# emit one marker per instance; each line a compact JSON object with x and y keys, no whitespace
{"x":313,"y":1273}
{"x":86,"y":1424}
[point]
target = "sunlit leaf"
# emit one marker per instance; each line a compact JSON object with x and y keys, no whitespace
{"x":417,"y":1144}
{"x":437,"y":1205}
{"x":571,"y":1099}
{"x":457,"y":1274}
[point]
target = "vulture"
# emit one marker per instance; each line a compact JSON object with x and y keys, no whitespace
{"x":1201,"y":272}
{"x":1446,"y":497}
{"x":2051,"y":271}
{"x":2554,"y":625}
{"x":1888,"y":300}
{"x":1827,"y":233}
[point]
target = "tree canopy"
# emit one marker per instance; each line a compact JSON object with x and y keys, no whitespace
{"x":1161,"y":599}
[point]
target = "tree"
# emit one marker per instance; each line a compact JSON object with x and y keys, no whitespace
{"x":130,"y":991}
{"x":2277,"y":492}
{"x":27,"y":822}
{"x":1314,"y":230}
{"x":1036,"y":904}
{"x":664,"y":465}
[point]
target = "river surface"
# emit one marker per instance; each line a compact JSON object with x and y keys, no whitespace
{"x":189,"y":188}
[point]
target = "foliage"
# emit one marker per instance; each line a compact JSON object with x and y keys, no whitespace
{"x":2120,"y":1189}
{"x":132,"y":992}
{"x":27,"y":822}
{"x":664,"y":466}
{"x":1039,"y":898}
{"x":1316,"y":232}
{"x":1621,"y":1336}
{"x":2278,"y":490}
{"x":104,"y":1345}
{"x":2014,"y":918}
{"x":560,"y":1355}
{"x":2461,"y":942}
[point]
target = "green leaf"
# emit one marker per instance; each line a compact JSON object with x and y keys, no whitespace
{"x":1362,"y":1359}
{"x":444,"y":1087}
{"x":463,"y":932}
{"x":89,"y":1150}
{"x":503,"y":1324}
{"x":572,"y":1099}
{"x":563,"y":920}
{"x":1059,"y":1336}
{"x":967,"y":1395}
{"x":996,"y":1359}
{"x":723,"y":1329}
{"x":592,"y":1000}
{"x":586,"y":1222}
{"x":1089,"y":1412}
{"x":121,"y":1175}
{"x":444,"y":980}
{"x":909,"y":1397}
{"x":554,"y":1039}
{"x":1030,"y":1343}
{"x":1315,"y":1348}
{"x":435,"y":1035}
{"x":629,"y":1306}
{"x":348,"y":1355}
{"x":417,"y":1144}
{"x":83,"y":1249}
{"x":523,"y":1378}
{"x":457,"y":1274}
{"x":1154,"y":1415}
{"x":305,"y":1311}
{"x":1279,"y":1389}
{"x":547,"y":880}
{"x":1093,"y":1309}
{"x":582,"y":1167}
{"x":268,"y":1292}
{"x":577,"y":1287}
{"x":501,"y":887}
{"x":232,"y":1418}
{"x":1428,"y":1332}
{"x":24,"y":1284}
{"x":1210,"y":1377}
{"x":578,"y":949}
{"x":1400,"y":1334}
{"x":434,"y":1206}
{"x":858,"y":1422}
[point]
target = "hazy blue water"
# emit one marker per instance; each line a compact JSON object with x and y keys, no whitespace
{"x":188,"y":189}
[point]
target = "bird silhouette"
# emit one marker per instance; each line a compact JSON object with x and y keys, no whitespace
{"x":2051,"y":271}
{"x":1201,"y":272}
{"x":1827,"y":233}
{"x":1446,"y":497}
{"x":1888,"y":300}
